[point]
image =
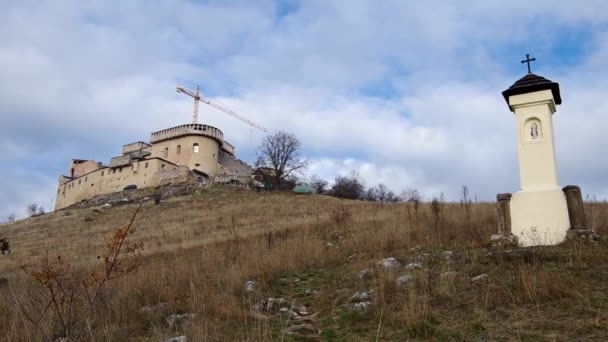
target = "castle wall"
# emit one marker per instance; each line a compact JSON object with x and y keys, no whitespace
{"x":233,"y":166}
{"x":182,"y":151}
{"x":81,"y":167}
{"x":144,"y":173}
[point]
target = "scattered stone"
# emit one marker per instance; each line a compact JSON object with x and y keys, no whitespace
{"x":124,"y":200}
{"x":177,"y":339}
{"x":153,"y":308}
{"x":447,"y":254}
{"x":582,"y":234}
{"x":185,"y":319}
{"x":367,"y":273}
{"x":106,"y":206}
{"x":360,"y":296}
{"x":504,"y":239}
{"x":415,"y":248}
{"x":480,"y":278}
{"x":404,"y":279}
{"x":362,"y":306}
{"x":389,"y":263}
{"x":302,"y":310}
{"x":272,"y":305}
{"x":423,"y":256}
{"x":251,"y":286}
{"x":329,"y":244}
{"x":413,"y":266}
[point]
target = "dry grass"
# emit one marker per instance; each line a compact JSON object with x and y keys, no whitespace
{"x":201,"y":249}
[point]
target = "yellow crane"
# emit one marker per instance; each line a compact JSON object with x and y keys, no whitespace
{"x":197,"y":97}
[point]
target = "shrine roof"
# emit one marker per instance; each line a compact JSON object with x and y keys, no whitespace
{"x":531,"y":83}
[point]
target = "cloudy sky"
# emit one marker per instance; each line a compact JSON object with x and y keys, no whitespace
{"x":407,"y":93}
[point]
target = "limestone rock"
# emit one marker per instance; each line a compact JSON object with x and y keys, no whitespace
{"x":177,"y":339}
{"x":504,"y":239}
{"x":480,"y":278}
{"x":186,"y":318}
{"x":413,"y":266}
{"x":251,"y":286}
{"x":367,"y":273}
{"x":447,"y":254}
{"x":404,"y":279}
{"x":153,"y":308}
{"x":271,"y":305}
{"x":361,"y":306}
{"x":389,"y":263}
{"x":360,"y":296}
{"x":582,"y":234}
{"x":106,"y":206}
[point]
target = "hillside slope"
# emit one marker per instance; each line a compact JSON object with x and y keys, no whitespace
{"x":241,"y":265}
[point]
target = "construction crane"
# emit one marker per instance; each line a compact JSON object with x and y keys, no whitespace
{"x":197,"y":97}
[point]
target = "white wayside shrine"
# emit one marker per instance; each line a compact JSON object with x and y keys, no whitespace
{"x":539,"y":213}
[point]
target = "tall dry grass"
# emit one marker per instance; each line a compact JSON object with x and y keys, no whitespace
{"x":200,"y":251}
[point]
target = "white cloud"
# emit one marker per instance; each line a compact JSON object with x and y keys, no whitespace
{"x":406,"y":93}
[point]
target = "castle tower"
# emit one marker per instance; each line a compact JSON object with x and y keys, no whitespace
{"x":539,"y":214}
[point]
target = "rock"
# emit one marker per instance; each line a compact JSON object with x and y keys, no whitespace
{"x":480,"y":278}
{"x":251,"y":286}
{"x":153,"y":308}
{"x":362,"y":306}
{"x":423,"y":256}
{"x":351,"y":257}
{"x":302,"y":310}
{"x":177,"y":339}
{"x":106,"y":206}
{"x":447,"y":254}
{"x":186,"y":319}
{"x":271,"y":305}
{"x":389,"y":263}
{"x":504,"y":239}
{"x":367,"y":273}
{"x":415,"y":248}
{"x":329,"y":244}
{"x":360,"y":296}
{"x":404,"y":279}
{"x":413,"y":266}
{"x":582,"y":234}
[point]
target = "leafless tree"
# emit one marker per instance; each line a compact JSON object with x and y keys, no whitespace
{"x":32,"y":209}
{"x":10,"y":218}
{"x":412,"y":197}
{"x":348,"y":187}
{"x":382,"y":192}
{"x":280,"y":152}
{"x":466,"y":201}
{"x":318,"y":183}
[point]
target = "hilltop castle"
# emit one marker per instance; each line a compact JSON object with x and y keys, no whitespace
{"x":173,"y":155}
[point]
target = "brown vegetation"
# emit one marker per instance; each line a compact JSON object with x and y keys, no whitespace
{"x":202,"y":249}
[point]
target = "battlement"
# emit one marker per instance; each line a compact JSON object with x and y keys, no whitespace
{"x":185,"y":130}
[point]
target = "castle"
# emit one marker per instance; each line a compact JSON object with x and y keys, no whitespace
{"x":173,"y":155}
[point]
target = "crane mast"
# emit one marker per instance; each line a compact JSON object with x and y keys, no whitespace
{"x":196,"y":96}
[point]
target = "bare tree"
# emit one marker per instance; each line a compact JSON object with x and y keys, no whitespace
{"x":465,"y":200}
{"x":412,"y":197}
{"x":10,"y":218}
{"x":32,"y":209}
{"x":382,"y":192}
{"x":280,"y":152}
{"x":318,"y":183}
{"x":371,"y":195}
{"x":348,"y":187}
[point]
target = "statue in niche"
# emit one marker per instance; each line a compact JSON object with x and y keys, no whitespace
{"x":534,"y":130}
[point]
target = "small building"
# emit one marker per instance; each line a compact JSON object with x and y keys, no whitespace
{"x":173,"y":155}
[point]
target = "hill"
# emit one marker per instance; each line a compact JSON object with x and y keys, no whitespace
{"x":226,"y":264}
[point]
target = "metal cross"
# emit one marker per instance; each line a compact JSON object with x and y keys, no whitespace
{"x":528,"y":60}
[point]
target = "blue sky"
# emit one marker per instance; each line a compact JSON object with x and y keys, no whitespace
{"x":405,"y":93}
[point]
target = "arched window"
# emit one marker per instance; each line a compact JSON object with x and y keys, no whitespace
{"x":166,"y":152}
{"x":179,"y":149}
{"x":195,"y":148}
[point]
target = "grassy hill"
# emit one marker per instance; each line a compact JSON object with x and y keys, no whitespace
{"x":212,"y":261}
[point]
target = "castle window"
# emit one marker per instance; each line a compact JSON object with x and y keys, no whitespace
{"x":92,"y":184}
{"x":166,"y":152}
{"x":79,"y":181}
{"x":101,"y":173}
{"x":179,"y":149}
{"x":162,"y":166}
{"x":85,"y":179}
{"x":195,"y":148}
{"x":146,"y":165}
{"x":197,"y":164}
{"x":120,"y":169}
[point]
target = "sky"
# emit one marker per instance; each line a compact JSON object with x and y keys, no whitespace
{"x":405,"y":93}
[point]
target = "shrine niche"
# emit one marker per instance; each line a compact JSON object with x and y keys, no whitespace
{"x":533,"y":130}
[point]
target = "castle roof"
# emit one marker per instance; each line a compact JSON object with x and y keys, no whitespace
{"x":531,"y":83}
